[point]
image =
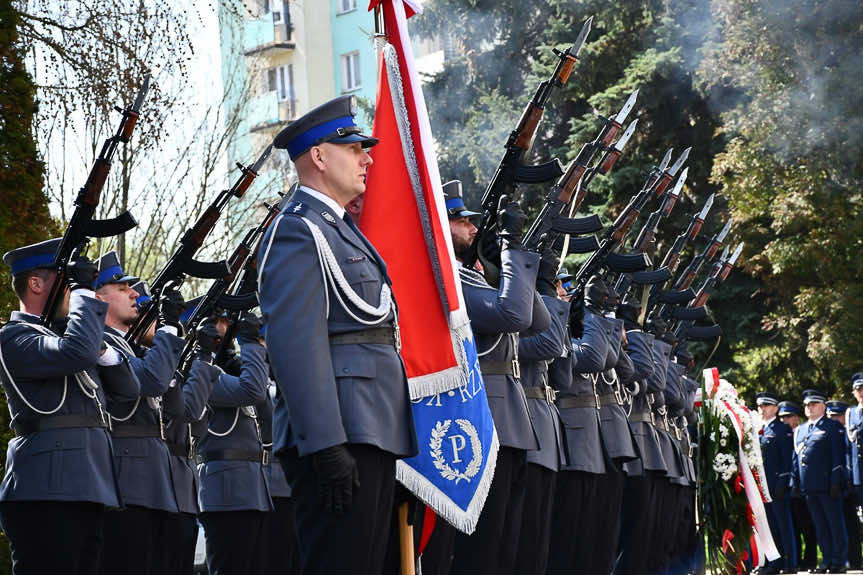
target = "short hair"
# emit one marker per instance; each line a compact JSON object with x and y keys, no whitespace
{"x":20,"y":281}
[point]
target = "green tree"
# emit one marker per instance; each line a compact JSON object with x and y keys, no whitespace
{"x":784,"y":76}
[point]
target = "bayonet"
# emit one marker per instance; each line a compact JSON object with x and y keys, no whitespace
{"x":582,"y":37}
{"x":680,"y":161}
{"x":627,"y":108}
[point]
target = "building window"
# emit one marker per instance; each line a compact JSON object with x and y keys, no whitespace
{"x":277,"y":17}
{"x":281,"y":80}
{"x":264,"y":7}
{"x":347,"y":6}
{"x":351,"y":72}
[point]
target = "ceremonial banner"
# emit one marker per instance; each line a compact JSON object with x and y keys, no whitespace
{"x":404,"y":216}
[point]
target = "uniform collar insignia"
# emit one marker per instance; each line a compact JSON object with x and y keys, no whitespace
{"x":297,"y":207}
{"x":329,"y":217}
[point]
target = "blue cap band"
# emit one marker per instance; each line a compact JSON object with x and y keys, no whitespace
{"x":32,"y":262}
{"x":142,"y":299}
{"x":455,"y":204}
{"x":304,"y":141}
{"x":106,"y":275}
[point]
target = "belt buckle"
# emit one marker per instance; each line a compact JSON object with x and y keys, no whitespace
{"x":265,"y":458}
{"x":397,"y":336}
{"x":550,"y":394}
{"x":618,"y":396}
{"x":516,"y":370}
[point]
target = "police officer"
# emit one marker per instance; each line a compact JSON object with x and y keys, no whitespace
{"x":572,"y":527}
{"x":141,"y":457}
{"x":536,"y":352}
{"x":233,"y":495}
{"x":776,"y":449}
{"x":836,"y":410}
{"x":818,"y":470}
{"x":183,"y":403}
{"x":687,"y":533}
{"x":611,"y":386}
{"x":804,"y":529}
{"x":639,"y":495}
{"x":334,"y":350}
{"x":497,"y":317}
{"x":59,"y":471}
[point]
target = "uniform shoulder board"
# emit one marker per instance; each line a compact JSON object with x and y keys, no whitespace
{"x":295,"y":208}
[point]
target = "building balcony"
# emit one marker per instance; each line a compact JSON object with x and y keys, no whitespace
{"x":273,"y":117}
{"x":262,"y":37}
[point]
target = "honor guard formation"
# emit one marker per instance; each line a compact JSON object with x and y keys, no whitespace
{"x":140,"y":417}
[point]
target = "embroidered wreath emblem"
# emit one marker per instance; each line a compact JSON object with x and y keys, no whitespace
{"x":437,"y":435}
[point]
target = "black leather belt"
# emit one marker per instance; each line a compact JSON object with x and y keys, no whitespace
{"x":262,"y":457}
{"x":137,"y":431}
{"x":643,"y":417}
{"x":76,"y":421}
{"x":586,"y":401}
{"x":490,"y":367}
{"x":385,"y":335}
{"x":540,"y":392}
{"x":178,"y":449}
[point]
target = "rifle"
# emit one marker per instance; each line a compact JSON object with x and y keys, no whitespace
{"x":217,"y":296}
{"x":656,"y":183}
{"x":686,"y":278}
{"x":569,"y":191}
{"x":82,"y":225}
{"x":182,"y":262}
{"x":510,"y":170}
{"x":696,"y":310}
{"x":244,"y":296}
{"x":646,"y":237}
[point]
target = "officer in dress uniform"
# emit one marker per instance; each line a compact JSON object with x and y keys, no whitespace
{"x":639,"y":494}
{"x":836,"y":410}
{"x":804,"y":529}
{"x":657,"y":386}
{"x":818,"y":470}
{"x":572,"y":525}
{"x":141,"y":457}
{"x":776,"y":449}
{"x":687,"y":533}
{"x":183,"y":403}
{"x":497,"y":317}
{"x":535,"y":353}
{"x":334,"y":350}
{"x":59,"y":469}
{"x":233,"y":496}
{"x":853,"y":424}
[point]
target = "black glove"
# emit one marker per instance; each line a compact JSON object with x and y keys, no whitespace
{"x":81,"y":273}
{"x":248,"y":328}
{"x":547,"y":276}
{"x":338,"y":476}
{"x":779,"y":492}
{"x":171,"y":306}
{"x":835,"y":491}
{"x":207,"y":341}
{"x":510,"y":221}
{"x":576,"y":317}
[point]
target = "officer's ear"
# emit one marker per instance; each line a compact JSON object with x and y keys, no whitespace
{"x":316,"y":155}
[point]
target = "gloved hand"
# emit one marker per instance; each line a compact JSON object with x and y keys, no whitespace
{"x":835,"y":491}
{"x":338,"y":476}
{"x":207,"y":341}
{"x":248,"y":328}
{"x":546,"y":279}
{"x":576,"y":317}
{"x":510,"y":221}
{"x":171,"y":306}
{"x":780,"y":492}
{"x":81,"y":273}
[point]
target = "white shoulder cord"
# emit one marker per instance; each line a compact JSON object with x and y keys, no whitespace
{"x":331,"y":271}
{"x":21,"y":395}
{"x":230,"y":429}
{"x":475,"y":279}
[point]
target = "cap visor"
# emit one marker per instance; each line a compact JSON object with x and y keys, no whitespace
{"x":366,"y":141}
{"x":565,"y":277}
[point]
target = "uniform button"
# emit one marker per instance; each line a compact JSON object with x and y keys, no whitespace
{"x":58,"y":444}
{"x":126,"y":452}
{"x":345,"y":370}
